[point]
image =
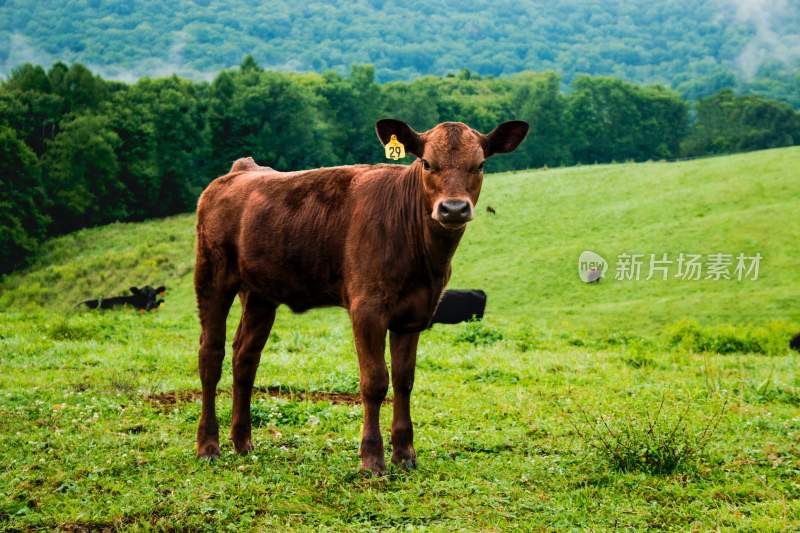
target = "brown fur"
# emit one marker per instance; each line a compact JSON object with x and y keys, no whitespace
{"x":363,"y":237}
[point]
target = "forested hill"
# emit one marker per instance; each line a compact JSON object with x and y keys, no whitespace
{"x":695,"y":46}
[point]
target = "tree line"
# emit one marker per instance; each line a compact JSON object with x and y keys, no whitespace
{"x":77,"y":150}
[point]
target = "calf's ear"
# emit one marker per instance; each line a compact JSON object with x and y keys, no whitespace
{"x":387,"y":127}
{"x":134,"y":290}
{"x":505,"y":137}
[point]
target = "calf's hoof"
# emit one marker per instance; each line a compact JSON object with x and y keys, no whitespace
{"x":208,"y":450}
{"x":373,"y":466}
{"x":243,"y":447}
{"x":406,"y":464}
{"x":405,"y":459}
{"x":371,"y":453}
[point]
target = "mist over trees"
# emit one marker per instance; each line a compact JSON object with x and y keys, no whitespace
{"x":77,"y":150}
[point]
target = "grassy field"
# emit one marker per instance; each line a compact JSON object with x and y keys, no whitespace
{"x":98,"y":409}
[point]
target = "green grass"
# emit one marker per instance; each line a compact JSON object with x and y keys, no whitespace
{"x":98,"y":410}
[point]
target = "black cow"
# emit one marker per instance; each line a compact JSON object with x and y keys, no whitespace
{"x":144,"y":299}
{"x":459,"y":306}
{"x":794,"y":344}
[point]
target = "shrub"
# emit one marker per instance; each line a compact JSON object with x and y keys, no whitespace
{"x":655,"y":444}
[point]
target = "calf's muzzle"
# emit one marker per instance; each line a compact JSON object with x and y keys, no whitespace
{"x":454,"y":211}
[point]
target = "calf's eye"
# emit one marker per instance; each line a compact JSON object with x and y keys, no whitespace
{"x":480,"y":167}
{"x":426,"y":165}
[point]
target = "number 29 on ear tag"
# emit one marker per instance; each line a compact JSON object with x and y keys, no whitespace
{"x":395,"y":149}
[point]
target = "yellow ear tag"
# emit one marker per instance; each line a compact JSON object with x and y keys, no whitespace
{"x":395,"y":149}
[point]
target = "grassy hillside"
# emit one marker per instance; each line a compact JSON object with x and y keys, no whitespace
{"x":525,"y":256}
{"x":98,"y":410}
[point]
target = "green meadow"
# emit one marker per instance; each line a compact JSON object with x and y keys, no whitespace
{"x":660,"y":403}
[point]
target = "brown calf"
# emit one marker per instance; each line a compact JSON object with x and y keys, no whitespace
{"x":374,"y":239}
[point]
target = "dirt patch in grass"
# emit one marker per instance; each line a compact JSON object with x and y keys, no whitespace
{"x":167,"y":399}
{"x":348,"y":398}
{"x":170,"y":398}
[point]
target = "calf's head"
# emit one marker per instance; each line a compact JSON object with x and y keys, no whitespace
{"x":451,"y":156}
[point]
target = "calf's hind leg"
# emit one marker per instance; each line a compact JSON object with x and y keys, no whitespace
{"x":214,"y":300}
{"x":258,"y":315}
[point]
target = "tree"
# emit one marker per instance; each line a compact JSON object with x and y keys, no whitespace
{"x":267,"y":115}
{"x":23,"y":222}
{"x":82,"y":175}
{"x":351,"y":107}
{"x":603,"y":120}
{"x":540,"y":103}
{"x":612,"y":120}
{"x":729,"y":123}
{"x":131,"y":119}
{"x":33,"y":115}
{"x":222,"y":120}
{"x":80,"y":89}
{"x":28,"y":77}
{"x":181,"y":145}
{"x":664,"y":123}
{"x":416,"y":101}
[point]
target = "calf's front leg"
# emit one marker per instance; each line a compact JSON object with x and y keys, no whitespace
{"x":404,"y":360}
{"x":369,"y":331}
